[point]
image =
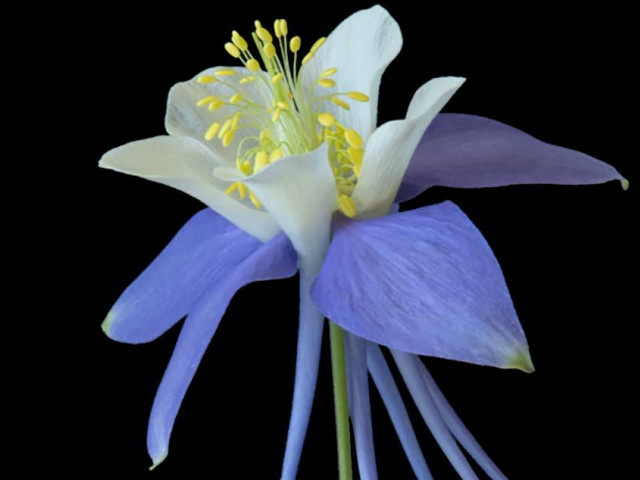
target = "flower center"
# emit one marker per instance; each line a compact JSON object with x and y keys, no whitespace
{"x":289,"y":116}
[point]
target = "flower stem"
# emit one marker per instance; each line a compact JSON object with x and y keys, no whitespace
{"x":339,"y":368}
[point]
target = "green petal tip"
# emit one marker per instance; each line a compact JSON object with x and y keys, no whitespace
{"x":625,"y":184}
{"x":521,"y":361}
{"x":159,"y":460}
{"x":106,"y":325}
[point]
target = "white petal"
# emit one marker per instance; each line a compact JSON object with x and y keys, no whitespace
{"x":389,"y":150}
{"x":301,"y":195}
{"x":184,"y":117}
{"x":360,"y":48}
{"x":185,"y":164}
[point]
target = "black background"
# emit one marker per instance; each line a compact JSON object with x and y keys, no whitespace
{"x":567,"y":252}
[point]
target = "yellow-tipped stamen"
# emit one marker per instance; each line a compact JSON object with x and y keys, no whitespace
{"x":234,"y":122}
{"x":276,"y":115}
{"x":341,"y":103}
{"x":275,"y":155}
{"x":283,"y":105}
{"x":295,"y":43}
{"x":264,"y":138}
{"x":328,"y":72}
{"x":326,"y":119}
{"x":225,"y":126}
{"x":247,"y":79}
{"x":356,"y":155}
{"x":256,"y":202}
{"x":307,"y":57}
{"x":235,"y":98}
{"x":269,"y":50}
{"x":277,"y":78}
{"x":284,"y":28}
{"x":318,"y":44}
{"x":246,"y":168}
{"x":232,"y":188}
{"x":346,"y":206}
{"x":358,"y":96}
{"x":262,"y":159}
{"x":257,"y":24}
{"x":232,"y":50}
{"x":228,"y":138}
{"x":277,"y":29}
{"x":206,"y":100}
{"x":224,"y":73}
{"x":215,"y":105}
{"x":253,"y":65}
{"x":353,"y":138}
{"x":326,"y":83}
{"x":204,"y":79}
{"x":211,"y":131}
{"x":264,"y":35}
{"x":242,"y":190}
{"x":239,"y":41}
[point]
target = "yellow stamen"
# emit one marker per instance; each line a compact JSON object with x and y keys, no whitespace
{"x":242,"y":190}
{"x":277,"y":78}
{"x":346,"y":206}
{"x":326,"y":119}
{"x":356,"y":155}
{"x":294,"y":44}
{"x":224,"y":73}
{"x":269,"y":50}
{"x":234,"y":122}
{"x":360,"y":97}
{"x":264,"y":35}
{"x":206,"y":100}
{"x":326,"y":83}
{"x":283,"y":105}
{"x":276,"y":115}
{"x":235,"y":98}
{"x":275,"y":155}
{"x":257,"y":24}
{"x":256,"y":202}
{"x":225,"y":127}
{"x":339,"y":102}
{"x":239,"y":41}
{"x":262,"y":159}
{"x":253,"y":65}
{"x":307,"y":57}
{"x":318,"y":44}
{"x":247,"y":79}
{"x":232,"y":188}
{"x":284,"y":28}
{"x":215,"y":105}
{"x":246,"y":167}
{"x":206,"y":79}
{"x":232,"y":50}
{"x":211,"y":131}
{"x":353,"y":138}
{"x":277,"y":29}
{"x":228,"y":138}
{"x":328,"y":72}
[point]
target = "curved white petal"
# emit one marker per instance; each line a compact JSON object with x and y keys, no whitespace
{"x":184,"y":117}
{"x":389,"y":150}
{"x":300,"y":194}
{"x":185,"y":164}
{"x":360,"y":48}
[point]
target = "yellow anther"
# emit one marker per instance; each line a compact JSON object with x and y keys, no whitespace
{"x":242,"y":190}
{"x":206,"y":100}
{"x":307,"y":57}
{"x":355,"y":155}
{"x":232,"y":188}
{"x":264,"y":137}
{"x":262,"y":159}
{"x":294,"y":44}
{"x":340,"y":103}
{"x":353,"y":138}
{"x":275,"y":155}
{"x":328,"y":72}
{"x":326,"y":83}
{"x":269,"y":50}
{"x":239,"y":41}
{"x":247,"y":79}
{"x":284,"y":28}
{"x":346,"y":206}
{"x":235,"y":98}
{"x":232,"y":50}
{"x":256,"y":202}
{"x":360,"y":97}
{"x":277,"y":29}
{"x":245,"y":167}
{"x":326,"y":119}
{"x":318,"y":44}
{"x":211,"y":131}
{"x":276,"y":115}
{"x":206,"y":79}
{"x":224,"y":73}
{"x":253,"y":65}
{"x":283,"y":105}
{"x":356,"y":169}
{"x":234,"y":122}
{"x":277,"y":78}
{"x":225,"y":126}
{"x":264,"y":35}
{"x":257,"y":24}
{"x":215,"y":105}
{"x":228,"y":138}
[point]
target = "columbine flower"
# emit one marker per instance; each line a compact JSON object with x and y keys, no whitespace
{"x":287,"y":157}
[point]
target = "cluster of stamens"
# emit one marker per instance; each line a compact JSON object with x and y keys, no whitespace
{"x":290,"y":119}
